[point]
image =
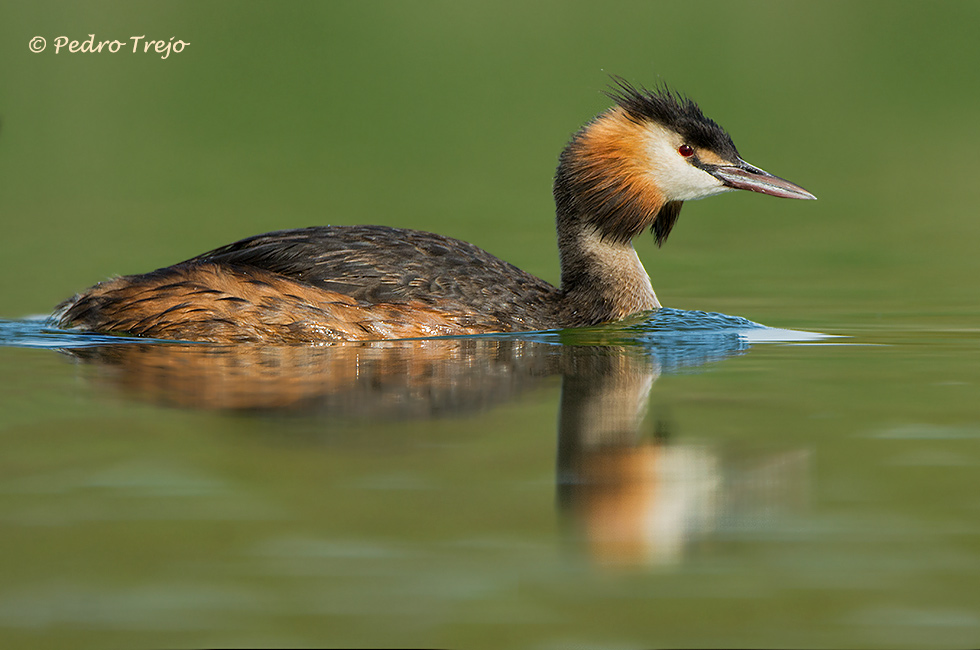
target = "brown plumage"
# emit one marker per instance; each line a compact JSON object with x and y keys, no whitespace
{"x":627,"y":170}
{"x":285,"y":287}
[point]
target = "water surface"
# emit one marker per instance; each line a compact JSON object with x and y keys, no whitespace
{"x":614,"y":485}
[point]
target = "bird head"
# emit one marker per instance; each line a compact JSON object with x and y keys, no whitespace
{"x":634,"y":165}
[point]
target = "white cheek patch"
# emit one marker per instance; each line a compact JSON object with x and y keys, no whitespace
{"x":675,"y":175}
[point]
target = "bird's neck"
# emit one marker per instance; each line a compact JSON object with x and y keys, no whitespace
{"x":601,"y":280}
{"x":605,"y":196}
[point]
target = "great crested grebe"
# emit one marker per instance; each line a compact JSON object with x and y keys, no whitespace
{"x":628,"y":169}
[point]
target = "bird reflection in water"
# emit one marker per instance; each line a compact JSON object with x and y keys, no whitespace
{"x":390,"y":379}
{"x":638,"y":497}
{"x":631,"y":496}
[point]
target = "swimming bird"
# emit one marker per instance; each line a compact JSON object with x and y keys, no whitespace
{"x":627,"y":170}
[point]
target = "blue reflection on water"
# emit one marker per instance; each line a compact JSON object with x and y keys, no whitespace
{"x":675,"y":338}
{"x":41,"y":333}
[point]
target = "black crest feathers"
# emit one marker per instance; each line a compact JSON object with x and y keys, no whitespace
{"x":672,"y":110}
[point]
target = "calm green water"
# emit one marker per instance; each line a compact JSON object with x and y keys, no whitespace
{"x":655,"y":484}
{"x":692,"y":489}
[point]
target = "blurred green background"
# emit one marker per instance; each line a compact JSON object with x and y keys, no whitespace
{"x":449,"y":116}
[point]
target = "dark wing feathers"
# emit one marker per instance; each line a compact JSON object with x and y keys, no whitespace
{"x":378,"y":264}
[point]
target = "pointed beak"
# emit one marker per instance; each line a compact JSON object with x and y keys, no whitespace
{"x":743,"y":176}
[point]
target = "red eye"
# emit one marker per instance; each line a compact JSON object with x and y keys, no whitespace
{"x":685,"y":150}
